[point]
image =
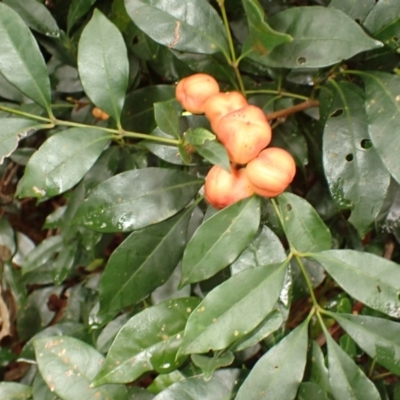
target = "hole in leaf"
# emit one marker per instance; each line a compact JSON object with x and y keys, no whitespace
{"x":288,"y":207}
{"x":349,"y":157}
{"x":337,"y":113}
{"x":366,"y":144}
{"x":301,"y":60}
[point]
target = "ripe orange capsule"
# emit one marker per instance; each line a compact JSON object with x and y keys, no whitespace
{"x":223,"y":188}
{"x":271,"y":172}
{"x":220,"y":104}
{"x":244,"y":133}
{"x":100,"y":114}
{"x":193,"y":91}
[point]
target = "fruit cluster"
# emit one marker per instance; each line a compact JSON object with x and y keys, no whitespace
{"x":245,"y":132}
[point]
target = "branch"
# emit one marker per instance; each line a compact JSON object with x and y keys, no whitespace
{"x":292,"y":110}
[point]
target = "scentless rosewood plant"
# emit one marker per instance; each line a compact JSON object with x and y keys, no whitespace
{"x":199,"y":200}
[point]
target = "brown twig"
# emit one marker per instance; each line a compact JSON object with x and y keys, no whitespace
{"x":292,"y":110}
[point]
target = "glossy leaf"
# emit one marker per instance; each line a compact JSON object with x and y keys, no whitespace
{"x":187,"y":26}
{"x":42,"y":253}
{"x":155,"y":331}
{"x":166,"y":152}
{"x":317,"y":41}
{"x":265,"y":249}
{"x":355,"y":9}
{"x":347,"y":380}
{"x":69,"y":365}
{"x":139,"y":264}
{"x":270,"y":324}
{"x":215,"y":153}
{"x":318,"y":371}
{"x":36,"y":16}
{"x":73,"y":329}
{"x":40,"y":390}
{"x":167,"y":118}
{"x":355,"y":173}
{"x":76,"y":10}
{"x":278,"y":373}
{"x":311,"y":391}
{"x":12,"y":130}
{"x":219,"y":240}
{"x":103,"y":65}
{"x":383,"y":110}
{"x":227,"y":313}
{"x":61,"y":162}
{"x":22,"y":63}
{"x":138,"y":112}
{"x":136,"y":199}
{"x":262,"y":38}
{"x":15,"y":391}
{"x":378,"y":337}
{"x":198,"y":136}
{"x":220,"y":386}
{"x":368,"y":278}
{"x":209,"y":364}
{"x":303,"y":226}
{"x":383,"y":22}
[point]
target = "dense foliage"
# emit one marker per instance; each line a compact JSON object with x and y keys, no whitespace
{"x":118,"y":281}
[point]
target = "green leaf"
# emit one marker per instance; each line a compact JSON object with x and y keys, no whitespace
{"x":154,"y":332}
{"x":15,"y":391}
{"x":368,"y":278}
{"x":304,"y":228}
{"x":288,"y":136}
{"x":198,"y":136}
{"x":215,"y":153}
{"x":384,"y":22}
{"x":103,"y":65}
{"x":68,"y":366}
{"x":193,"y":26}
{"x":220,"y":386}
{"x":317,"y":41}
{"x":139,"y":264}
{"x":311,"y":391}
{"x":262,"y":38}
{"x":318,"y":371}
{"x":270,"y":324}
{"x":227,"y":313}
{"x":74,"y":329}
{"x":378,"y":337}
{"x":12,"y":130}
{"x":347,"y":380}
{"x":355,"y":9}
{"x":355,"y":173}
{"x":209,"y":364}
{"x":77,"y":10}
{"x":166,"y":152}
{"x":167,"y":118}
{"x":265,"y":249}
{"x":36,"y":16}
{"x":61,"y":162}
{"x":42,"y":254}
{"x":163,"y":381}
{"x":277,"y":375}
{"x":22,"y":63}
{"x":136,"y":199}
{"x":383,"y":110}
{"x":220,"y":239}
{"x":41,"y":390}
{"x":138,"y":112}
